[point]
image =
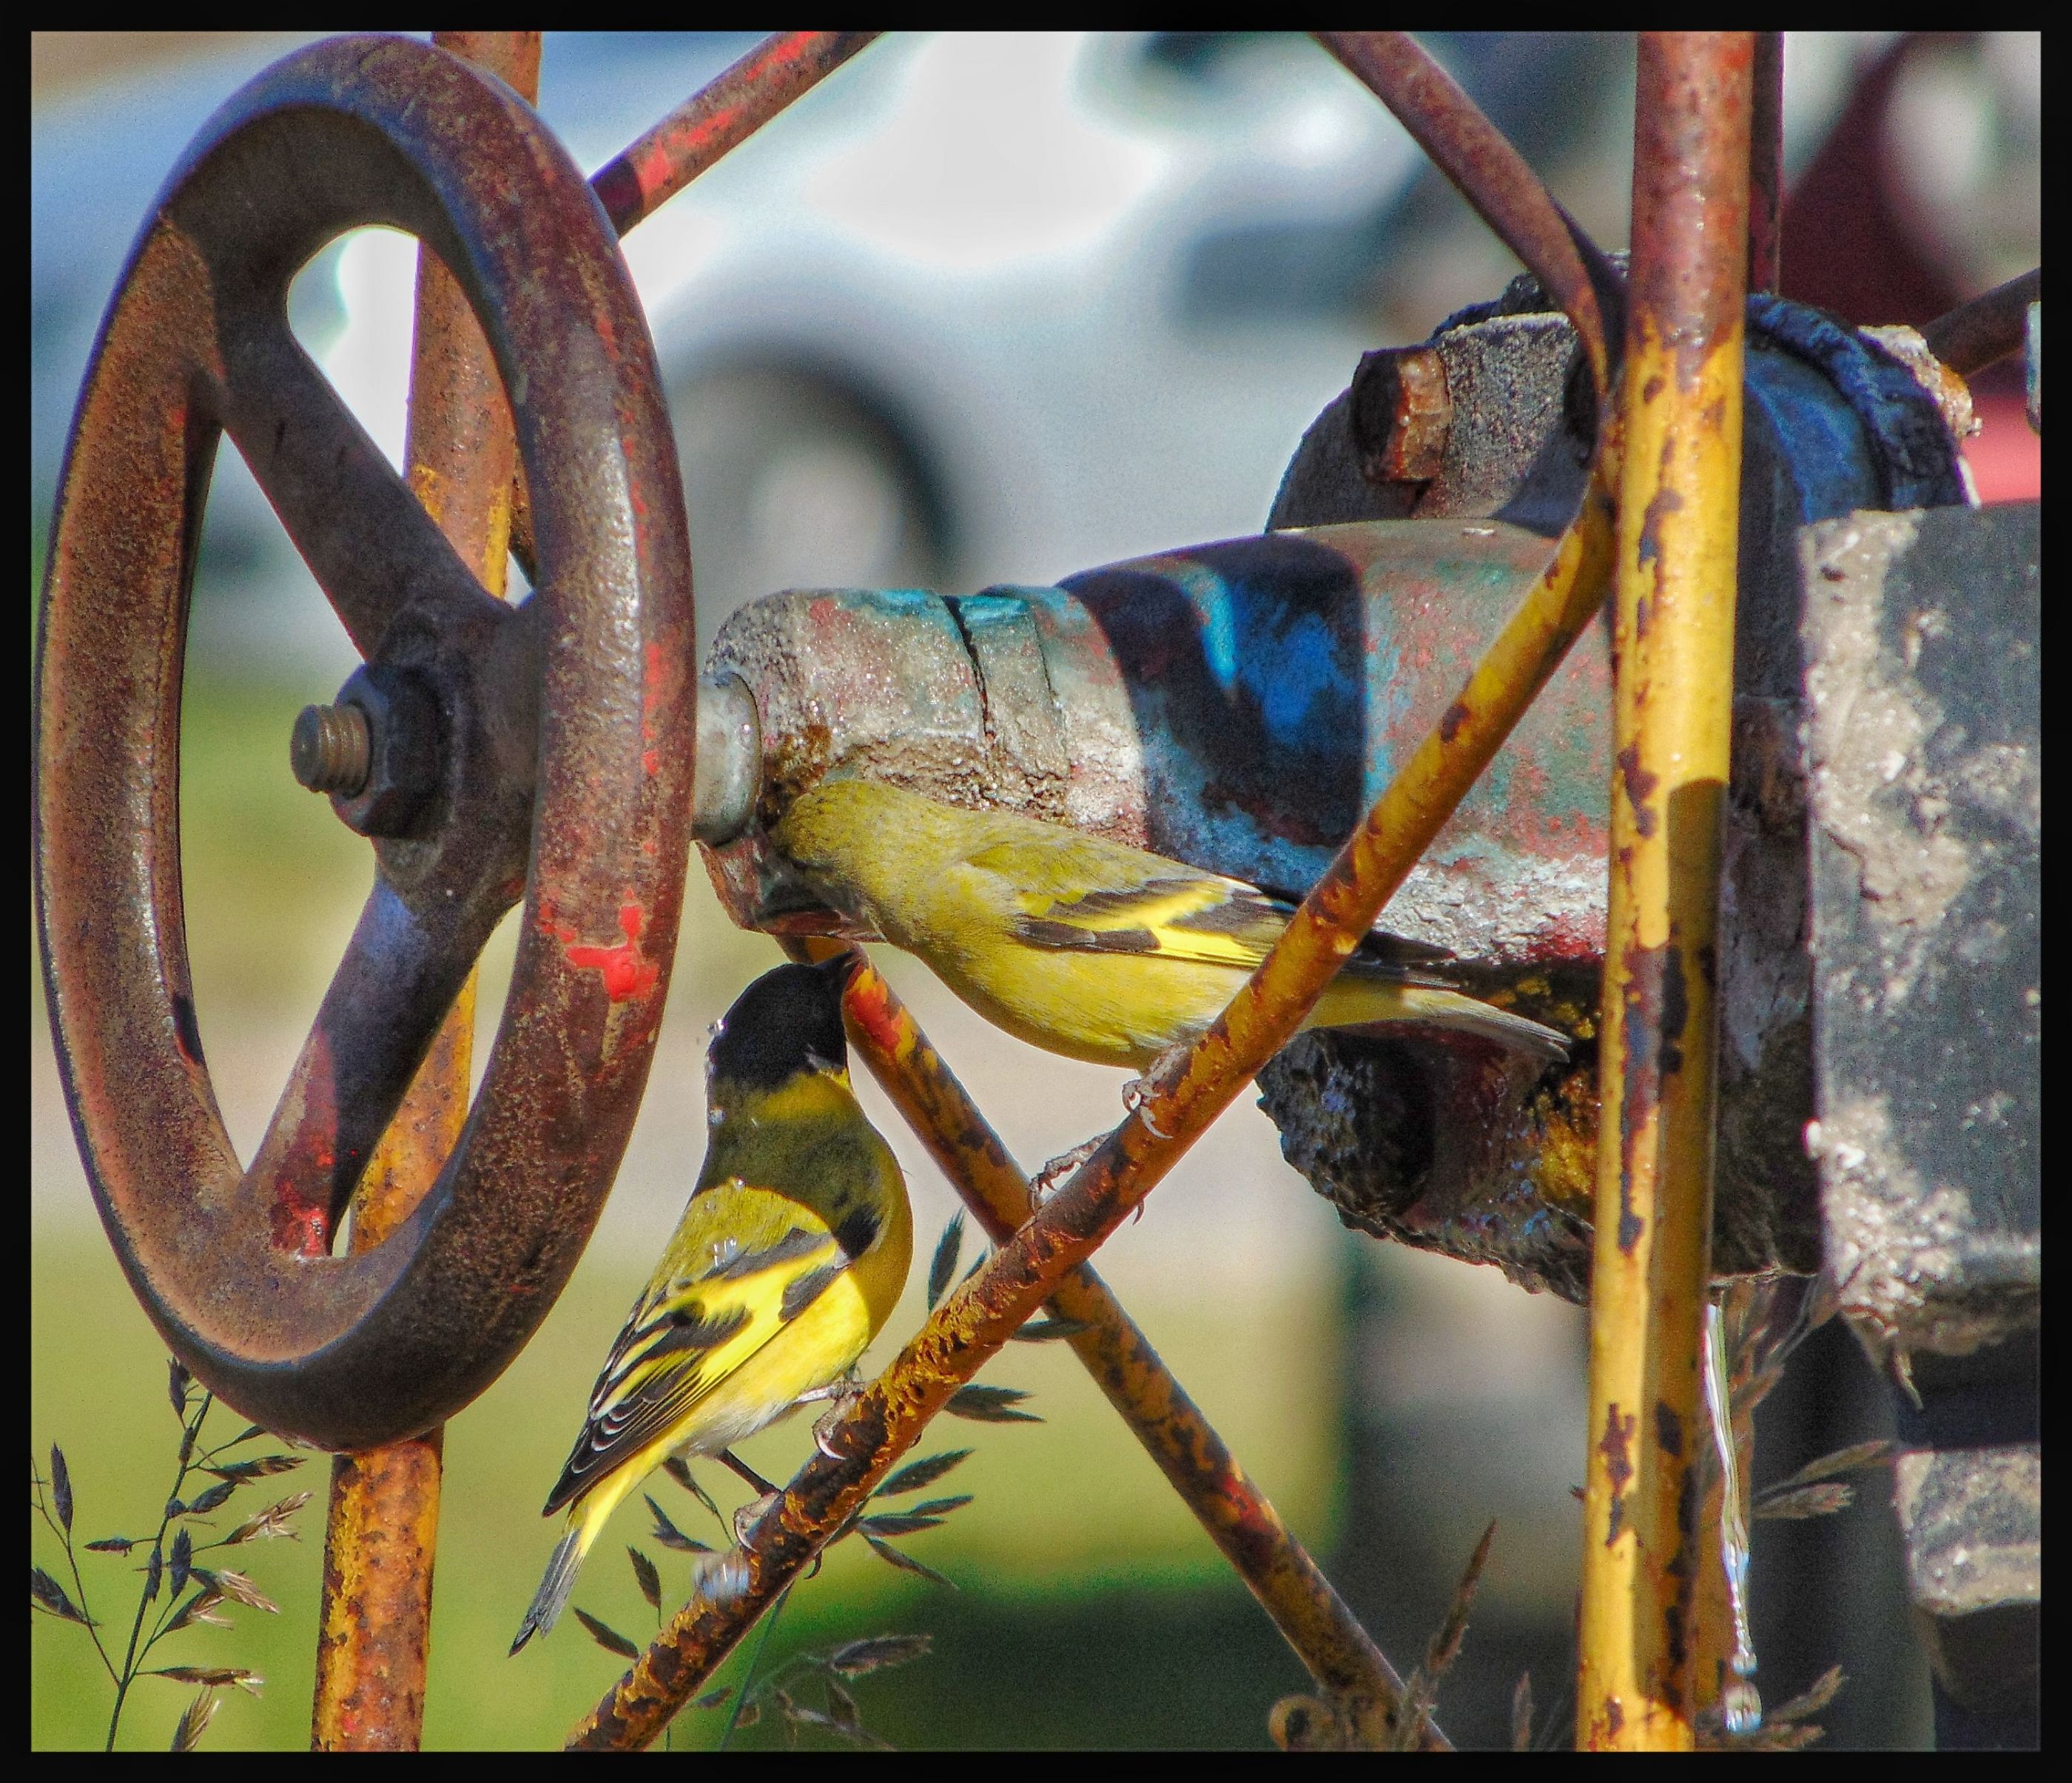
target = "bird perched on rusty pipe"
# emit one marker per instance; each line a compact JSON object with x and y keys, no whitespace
{"x":1086,"y":946}
{"x":788,"y":1260}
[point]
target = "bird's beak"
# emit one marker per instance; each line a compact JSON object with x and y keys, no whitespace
{"x":843,"y":966}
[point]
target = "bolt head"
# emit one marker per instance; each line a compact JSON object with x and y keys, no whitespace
{"x":330,"y":748}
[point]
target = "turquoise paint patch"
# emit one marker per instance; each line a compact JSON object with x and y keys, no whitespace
{"x":1387,"y":698}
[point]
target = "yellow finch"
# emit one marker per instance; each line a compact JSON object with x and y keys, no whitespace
{"x":1081,"y":945}
{"x":787,"y":1261}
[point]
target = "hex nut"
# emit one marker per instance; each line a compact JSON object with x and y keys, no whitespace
{"x":403,"y":727}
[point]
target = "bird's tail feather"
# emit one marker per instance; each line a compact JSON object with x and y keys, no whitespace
{"x":1515,"y":1031}
{"x":554,"y":1589}
{"x":1467,"y":1014}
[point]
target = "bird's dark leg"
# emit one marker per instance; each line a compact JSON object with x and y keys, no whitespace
{"x":744,"y":1472}
{"x":765,"y":1494}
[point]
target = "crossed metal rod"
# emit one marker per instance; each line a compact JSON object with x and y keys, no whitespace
{"x":1362,"y":1688}
{"x":878,"y":1425}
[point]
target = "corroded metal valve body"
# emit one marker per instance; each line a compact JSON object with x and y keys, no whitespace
{"x":1239,"y":705}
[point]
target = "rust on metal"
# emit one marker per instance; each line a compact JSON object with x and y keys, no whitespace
{"x":381,"y":1529}
{"x":374,"y":1634}
{"x":1363,"y":1688}
{"x":565,"y":749}
{"x":1767,"y":164}
{"x":1402,"y":414}
{"x":1150,"y":702}
{"x":1988,"y":328}
{"x":1674,"y":656}
{"x":877,"y":1426}
{"x":374,"y":1628}
{"x":720,"y":116}
{"x":1496,"y":179}
{"x":637,"y":181}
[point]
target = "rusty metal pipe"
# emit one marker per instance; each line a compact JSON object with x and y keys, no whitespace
{"x":1674,"y":651}
{"x":1979,"y":333}
{"x":1497,"y":181}
{"x":879,"y":1424}
{"x":1363,"y":1688}
{"x":715,"y":120}
{"x":381,"y":1535}
{"x":1767,"y":164}
{"x":381,"y":1527}
{"x":720,"y":115}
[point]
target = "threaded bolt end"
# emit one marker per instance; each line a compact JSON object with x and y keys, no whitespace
{"x":331,"y":750}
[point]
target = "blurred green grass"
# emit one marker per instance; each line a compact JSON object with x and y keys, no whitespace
{"x":1076,"y":1553}
{"x":1073,"y":1534}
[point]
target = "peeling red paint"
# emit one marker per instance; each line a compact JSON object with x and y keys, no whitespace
{"x":1568,"y":937}
{"x":626,"y":972}
{"x":296,"y":1225}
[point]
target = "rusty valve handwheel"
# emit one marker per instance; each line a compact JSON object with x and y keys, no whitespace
{"x":545,"y":749}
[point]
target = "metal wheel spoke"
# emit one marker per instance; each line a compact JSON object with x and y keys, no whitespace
{"x":391,"y":990}
{"x":365,"y":537}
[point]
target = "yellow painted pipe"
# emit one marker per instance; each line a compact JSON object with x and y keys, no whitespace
{"x":1673,"y":690}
